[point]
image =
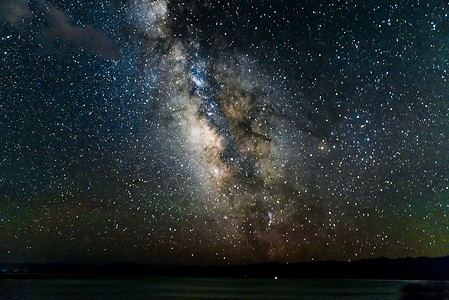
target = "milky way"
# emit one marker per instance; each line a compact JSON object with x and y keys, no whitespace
{"x":217,"y":132}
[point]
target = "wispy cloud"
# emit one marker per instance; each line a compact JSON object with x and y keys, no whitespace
{"x":18,"y":12}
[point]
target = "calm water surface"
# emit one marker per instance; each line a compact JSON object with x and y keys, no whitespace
{"x":199,"y":288}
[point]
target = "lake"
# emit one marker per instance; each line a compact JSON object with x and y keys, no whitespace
{"x":199,"y":288}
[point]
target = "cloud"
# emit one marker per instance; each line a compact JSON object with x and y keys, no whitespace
{"x":15,"y":12}
{"x":84,"y":36}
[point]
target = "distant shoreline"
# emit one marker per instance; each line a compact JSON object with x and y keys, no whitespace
{"x":421,"y":268}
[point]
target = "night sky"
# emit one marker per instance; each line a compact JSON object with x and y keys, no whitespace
{"x":223,"y":132}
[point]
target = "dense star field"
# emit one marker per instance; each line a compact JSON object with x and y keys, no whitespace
{"x":223,"y":132}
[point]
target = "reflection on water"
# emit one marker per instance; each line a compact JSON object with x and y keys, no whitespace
{"x":199,"y":288}
{"x":426,"y":291}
